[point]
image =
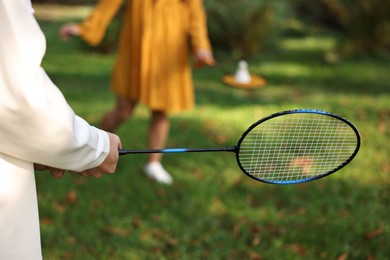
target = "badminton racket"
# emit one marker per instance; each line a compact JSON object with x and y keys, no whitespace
{"x":289,"y":147}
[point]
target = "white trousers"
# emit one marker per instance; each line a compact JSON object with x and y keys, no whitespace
{"x":19,"y":220}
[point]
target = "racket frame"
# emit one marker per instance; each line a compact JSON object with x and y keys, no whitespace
{"x":298,"y":111}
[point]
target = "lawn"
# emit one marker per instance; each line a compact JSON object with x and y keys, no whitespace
{"x":213,"y":211}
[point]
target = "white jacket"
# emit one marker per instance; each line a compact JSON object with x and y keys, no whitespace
{"x":36,"y":126}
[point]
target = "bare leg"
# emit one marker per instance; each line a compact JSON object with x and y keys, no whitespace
{"x":158,"y":133}
{"x":115,"y":117}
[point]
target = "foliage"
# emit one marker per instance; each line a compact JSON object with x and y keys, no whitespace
{"x":365,"y":24}
{"x":246,"y":27}
{"x":66,"y":2}
{"x":243,"y":26}
{"x":213,"y":211}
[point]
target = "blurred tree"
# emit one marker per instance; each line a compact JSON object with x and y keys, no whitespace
{"x":66,"y":2}
{"x":110,"y":40}
{"x":243,"y":26}
{"x":246,"y":26}
{"x":365,"y":24}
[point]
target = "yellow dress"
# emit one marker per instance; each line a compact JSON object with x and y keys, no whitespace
{"x":152,"y":65}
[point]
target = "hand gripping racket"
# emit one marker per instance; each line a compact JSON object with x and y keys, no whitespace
{"x":290,"y":147}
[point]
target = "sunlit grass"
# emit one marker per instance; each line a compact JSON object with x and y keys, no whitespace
{"x":309,"y":44}
{"x":55,"y":12}
{"x":214,"y":211}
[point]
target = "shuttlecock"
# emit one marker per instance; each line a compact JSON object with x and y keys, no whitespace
{"x":242,"y":74}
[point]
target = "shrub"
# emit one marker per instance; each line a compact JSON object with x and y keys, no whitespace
{"x":243,"y":26}
{"x":364,"y":24}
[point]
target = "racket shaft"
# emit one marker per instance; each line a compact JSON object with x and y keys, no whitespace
{"x":178,"y":150}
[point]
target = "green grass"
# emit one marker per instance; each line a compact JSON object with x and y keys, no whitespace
{"x":213,"y":211}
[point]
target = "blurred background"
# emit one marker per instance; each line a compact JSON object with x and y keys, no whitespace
{"x":332,"y":55}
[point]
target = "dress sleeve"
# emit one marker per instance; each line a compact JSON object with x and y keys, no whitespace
{"x":93,"y":29}
{"x":36,"y":123}
{"x":198,"y":25}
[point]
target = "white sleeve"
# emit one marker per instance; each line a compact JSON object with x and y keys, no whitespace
{"x":36,"y":122}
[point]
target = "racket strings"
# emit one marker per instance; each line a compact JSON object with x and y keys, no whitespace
{"x":296,"y":147}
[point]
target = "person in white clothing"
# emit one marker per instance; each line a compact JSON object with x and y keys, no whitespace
{"x":38,"y":130}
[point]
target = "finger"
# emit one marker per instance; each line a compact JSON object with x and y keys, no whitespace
{"x":84,"y":173}
{"x":57,"y":173}
{"x":64,"y":34}
{"x":89,"y":173}
{"x":94,"y":173}
{"x":119,"y":144}
{"x":98,"y":175}
{"x":40,"y":167}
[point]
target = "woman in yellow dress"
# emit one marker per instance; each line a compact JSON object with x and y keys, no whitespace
{"x":152,"y":65}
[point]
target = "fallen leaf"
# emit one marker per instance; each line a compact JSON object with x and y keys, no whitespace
{"x":301,"y":211}
{"x":374,"y":233}
{"x":304,"y":163}
{"x":59,"y":207}
{"x":217,"y":207}
{"x":117,"y":231}
{"x":183,"y":125}
{"x":237,"y":182}
{"x":256,"y":228}
{"x":296,"y":248}
{"x":256,"y":241}
{"x":208,"y":125}
{"x":382,"y":127}
{"x":220,"y":138}
{"x":343,"y":256}
{"x":71,"y":240}
{"x":161,"y":192}
{"x":197,"y":172}
{"x":47,"y":221}
{"x":137,"y":222}
{"x":171,"y":241}
{"x":386,"y":167}
{"x":71,"y":197}
{"x":344,"y":213}
{"x":254,"y":256}
{"x":68,"y":255}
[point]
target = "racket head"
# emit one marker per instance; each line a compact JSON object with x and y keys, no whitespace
{"x":297,"y":146}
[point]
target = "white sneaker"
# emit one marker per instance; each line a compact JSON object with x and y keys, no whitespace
{"x":157,"y":172}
